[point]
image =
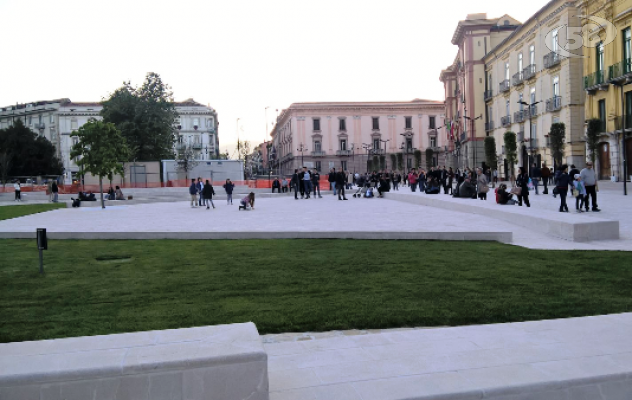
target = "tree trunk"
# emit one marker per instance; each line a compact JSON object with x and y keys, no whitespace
{"x":101,"y":190}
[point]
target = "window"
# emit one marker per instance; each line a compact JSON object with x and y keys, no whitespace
{"x":409,"y":122}
{"x":432,"y":122}
{"x":343,"y":165}
{"x":376,"y":144}
{"x":318,"y":166}
{"x":520,"y":62}
{"x":409,"y":163}
{"x":52,"y":119}
{"x":196,"y":123}
{"x":343,"y":143}
{"x":534,"y":130}
{"x":342,"y":124}
{"x":433,"y":141}
{"x":316,"y":123}
{"x":627,"y":49}
{"x":520,"y":101}
{"x":602,"y":111}
{"x":556,"y":86}
{"x":489,"y":82}
{"x":532,"y":95}
{"x":554,"y":41}
{"x":30,"y":120}
{"x":628,"y":108}
{"x":209,"y":123}
{"x":180,"y":139}
{"x":376,"y":123}
{"x":507,"y":71}
{"x":507,"y":107}
{"x":317,"y":146}
{"x":599,"y":58}
{"x":409,"y":143}
{"x":73,"y":124}
{"x":532,"y":55}
{"x":490,"y":114}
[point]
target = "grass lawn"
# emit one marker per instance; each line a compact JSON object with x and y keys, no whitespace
{"x":8,"y":212}
{"x":100,"y":287}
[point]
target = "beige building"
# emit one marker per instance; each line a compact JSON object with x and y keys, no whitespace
{"x":529,"y":85}
{"x":349,"y":135}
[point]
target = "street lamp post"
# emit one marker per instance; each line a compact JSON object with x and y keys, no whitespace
{"x":530,"y":130}
{"x":368,"y":147}
{"x":385,"y":141}
{"x":302,"y":148}
{"x":407,"y":135}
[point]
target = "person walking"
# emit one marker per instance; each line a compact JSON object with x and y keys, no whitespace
{"x":482,"y":184}
{"x":545,"y":172}
{"x":193,"y":191}
{"x":536,"y":175}
{"x":341,"y":181}
{"x":294,"y":183}
{"x":412,"y":179}
{"x":55,"y":191}
{"x":450,"y":180}
{"x":444,"y":180}
{"x":589,"y":178}
{"x":307,"y":183}
{"x":522,"y":181}
{"x":579,"y":192}
{"x":18,"y":191}
{"x":49,"y":189}
{"x":208,"y":193}
{"x":200,"y":189}
{"x":562,"y":181}
{"x":332,"y":179}
{"x":228,"y":187}
{"x":316,"y":183}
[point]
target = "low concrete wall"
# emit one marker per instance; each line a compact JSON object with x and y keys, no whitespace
{"x":223,"y":362}
{"x":560,"y":225}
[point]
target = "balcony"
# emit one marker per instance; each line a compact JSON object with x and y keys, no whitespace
{"x":554,"y":104}
{"x":533,"y":143}
{"x":489,"y":95}
{"x":409,"y":150}
{"x":518,"y":78}
{"x":529,"y":72}
{"x":552,"y":59}
{"x":343,"y":152}
{"x":621,"y":71}
{"x":595,"y":81}
{"x":620,"y":122}
{"x":196,"y":146}
{"x":534,"y":110}
{"x":504,"y":86}
{"x":181,"y":146}
{"x":377,"y":152}
{"x":506,"y":121}
{"x":318,"y":153}
{"x":489,"y":126}
{"x":519,"y":116}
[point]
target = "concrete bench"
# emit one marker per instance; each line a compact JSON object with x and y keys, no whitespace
{"x":223,"y":362}
{"x":561,"y":225}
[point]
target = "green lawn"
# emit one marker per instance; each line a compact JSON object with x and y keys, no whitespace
{"x":100,"y":287}
{"x":8,"y":212}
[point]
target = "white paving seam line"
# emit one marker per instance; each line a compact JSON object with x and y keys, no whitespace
{"x":284,"y":215}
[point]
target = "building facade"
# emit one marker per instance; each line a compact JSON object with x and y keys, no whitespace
{"x":464,"y":83}
{"x":529,"y":86}
{"x":607,"y":71}
{"x":349,"y":135}
{"x":196,"y":127}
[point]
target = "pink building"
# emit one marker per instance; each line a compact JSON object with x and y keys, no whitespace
{"x":352,"y":135}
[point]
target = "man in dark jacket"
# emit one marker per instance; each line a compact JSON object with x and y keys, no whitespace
{"x":536,"y":175}
{"x":301,"y":184}
{"x":316,"y":183}
{"x":193,"y":191}
{"x":546,"y":175}
{"x":294,"y":183}
{"x":341,"y":180}
{"x":332,"y":179}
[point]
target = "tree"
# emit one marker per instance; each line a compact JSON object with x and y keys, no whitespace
{"x":101,"y":149}
{"x":27,"y":154}
{"x":593,"y":132}
{"x":417,"y":155}
{"x":490,"y":152}
{"x":557,"y":136}
{"x":511,"y":151}
{"x":5,"y":166}
{"x":145,"y":116}
{"x":393,"y":161}
{"x":185,"y":161}
{"x":400,"y":161}
{"x":429,"y":154}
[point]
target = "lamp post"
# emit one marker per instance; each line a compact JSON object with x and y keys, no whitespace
{"x":472,"y":120}
{"x":266,"y":130}
{"x":385,"y":141}
{"x":530,"y":131}
{"x":302,"y":148}
{"x":367,"y":147}
{"x":407,"y":135}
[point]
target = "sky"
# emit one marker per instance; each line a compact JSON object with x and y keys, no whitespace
{"x":239,"y":57}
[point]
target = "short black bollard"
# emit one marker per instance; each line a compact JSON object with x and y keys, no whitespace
{"x":42,"y":244}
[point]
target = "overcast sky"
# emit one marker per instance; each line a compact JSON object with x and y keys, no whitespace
{"x":237,"y":56}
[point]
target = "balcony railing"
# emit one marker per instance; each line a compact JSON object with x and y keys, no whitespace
{"x":534,"y":110}
{"x":343,"y":152}
{"x":518,"y":78}
{"x":504,"y":86}
{"x":533,"y":143}
{"x":529,"y":72}
{"x":506,"y":121}
{"x":318,"y":153}
{"x":594,"y":80}
{"x":181,"y":146}
{"x":489,"y":126}
{"x":488,"y":95}
{"x":519,"y":116}
{"x":554,"y":104}
{"x":620,"y":70}
{"x":552,"y":59}
{"x":620,"y":122}
{"x":409,"y":150}
{"x":377,"y":152}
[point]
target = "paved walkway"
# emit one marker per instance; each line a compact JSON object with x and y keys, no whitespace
{"x":575,"y":358}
